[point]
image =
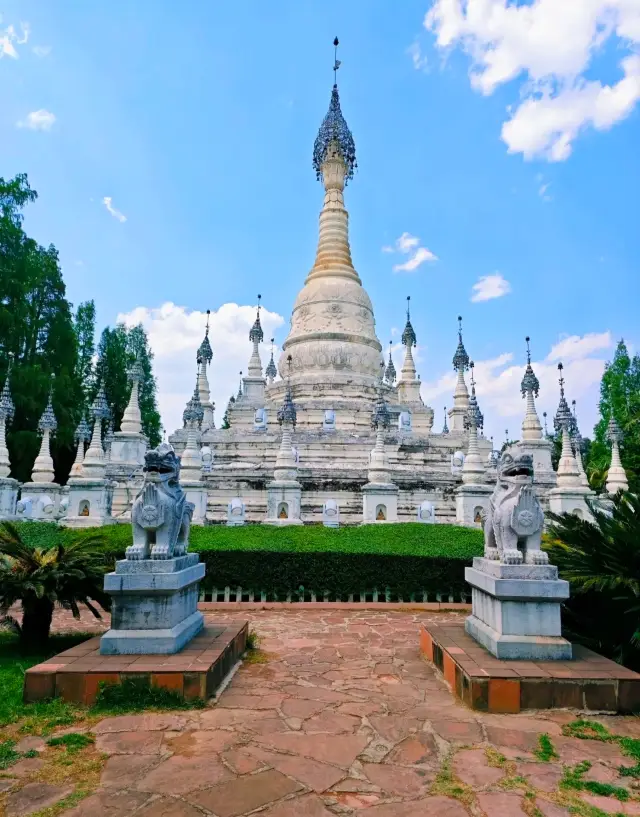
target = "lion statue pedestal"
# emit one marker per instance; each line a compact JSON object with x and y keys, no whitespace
{"x":516,"y":592}
{"x":155,"y":589}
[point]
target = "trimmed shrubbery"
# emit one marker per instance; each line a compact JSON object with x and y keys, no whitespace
{"x":403,"y":559}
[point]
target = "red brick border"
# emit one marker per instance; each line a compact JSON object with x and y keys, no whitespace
{"x":489,"y":684}
{"x":196,"y":671}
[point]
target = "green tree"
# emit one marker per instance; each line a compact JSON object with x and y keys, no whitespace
{"x":36,"y":327}
{"x":85,"y":329}
{"x":117,"y":350}
{"x":226,"y":420}
{"x":620,"y":394}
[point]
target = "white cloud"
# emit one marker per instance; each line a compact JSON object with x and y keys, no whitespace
{"x":409,"y":245}
{"x":498,"y":386}
{"x":41,"y":50}
{"x":543,"y":191}
{"x":174,"y":336}
{"x":548,"y":46}
{"x":38,"y":120}
{"x":9,"y":38}
{"x":490,"y":286}
{"x":419,"y":60}
{"x":115,"y":213}
{"x":575,"y":347}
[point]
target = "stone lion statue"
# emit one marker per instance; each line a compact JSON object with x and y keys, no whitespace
{"x":161,"y":515}
{"x":514,"y":521}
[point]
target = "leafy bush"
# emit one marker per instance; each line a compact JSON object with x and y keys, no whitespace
{"x":601,"y":561}
{"x":67,"y":574}
{"x":405,"y":558}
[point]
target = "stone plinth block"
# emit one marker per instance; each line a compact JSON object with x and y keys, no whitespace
{"x":516,"y":610}
{"x":570,"y":500}
{"x":154,"y":608}
{"x":8,"y":497}
{"x":196,"y":492}
{"x":284,"y":499}
{"x":472,"y":502}
{"x":89,"y":503}
{"x":379,"y":503}
{"x":40,"y":501}
{"x":128,"y":449}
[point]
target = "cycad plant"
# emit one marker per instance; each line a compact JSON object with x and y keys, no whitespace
{"x":67,"y":574}
{"x":601,"y":561}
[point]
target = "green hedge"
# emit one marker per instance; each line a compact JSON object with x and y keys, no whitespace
{"x":406,"y":560}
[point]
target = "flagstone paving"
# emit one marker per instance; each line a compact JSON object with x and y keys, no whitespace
{"x":340,"y":715}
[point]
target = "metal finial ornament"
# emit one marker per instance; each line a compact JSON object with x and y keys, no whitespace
{"x":563,"y":414}
{"x":256,"y":333}
{"x":529,"y":382}
{"x":239,"y":395}
{"x":409,"y":336}
{"x":460,"y":358}
{"x":336,"y":61}
{"x":205,"y":353}
{"x":7,"y":407}
{"x":445,"y":427}
{"x":506,"y":436}
{"x":380,"y":417}
{"x":48,"y":420}
{"x":287,"y":412}
{"x":390,"y":372}
{"x":194,"y":413}
{"x":100,"y":408}
{"x":614,"y":433}
{"x":135,"y":371}
{"x":544,"y":414}
{"x":83,"y":431}
{"x":474,"y":415}
{"x":271,"y":370}
{"x":334,"y":133}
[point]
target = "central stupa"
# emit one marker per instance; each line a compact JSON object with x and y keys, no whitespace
{"x":332,"y":341}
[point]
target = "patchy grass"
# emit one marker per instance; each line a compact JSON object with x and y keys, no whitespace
{"x":448,"y":785}
{"x":73,"y":741}
{"x":136,"y":695}
{"x":573,"y":778}
{"x":592,"y":730}
{"x":545,"y":751}
{"x":8,"y":754}
{"x":253,"y":640}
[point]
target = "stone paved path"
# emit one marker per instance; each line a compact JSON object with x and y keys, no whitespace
{"x":344,"y":717}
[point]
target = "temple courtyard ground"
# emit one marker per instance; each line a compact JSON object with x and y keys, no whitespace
{"x":337,"y":713}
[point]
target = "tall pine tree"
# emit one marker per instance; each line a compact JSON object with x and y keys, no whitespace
{"x":36,"y":327}
{"x":620,"y":394}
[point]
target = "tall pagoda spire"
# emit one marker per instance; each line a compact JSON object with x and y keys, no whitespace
{"x":286,"y":467}
{"x":568,"y":471}
{"x":409,"y":383}
{"x":530,"y":387}
{"x":461,"y":394}
{"x":192,"y":417}
{"x":256,"y":336}
{"x":616,"y":476}
{"x":271,"y":371}
{"x":577,"y":447}
{"x":47,"y":425}
{"x":204,"y":356}
{"x":94,"y":460}
{"x":473,"y":468}
{"x":7,"y":410}
{"x":390,"y":371}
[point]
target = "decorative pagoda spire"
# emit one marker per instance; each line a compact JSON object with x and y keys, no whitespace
{"x":204,"y":357}
{"x":577,"y":447}
{"x":334,"y":138}
{"x":239,"y":394}
{"x":408,"y":335}
{"x":81,"y":436}
{"x":409,"y":383}
{"x":271,"y":370}
{"x":132,"y":418}
{"x":94,"y":460}
{"x":380,"y":421}
{"x":530,"y":387}
{"x":334,"y":161}
{"x":47,"y":425}
{"x":473,"y":467}
{"x":192,"y":417}
{"x":616,"y":476}
{"x":568,"y":471}
{"x":256,"y":336}
{"x":7,"y":410}
{"x":286,"y":469}
{"x":390,"y":371}
{"x":445,"y":427}
{"x":460,"y":361}
{"x":108,"y":439}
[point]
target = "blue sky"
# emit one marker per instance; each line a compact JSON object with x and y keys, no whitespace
{"x":196,"y":121}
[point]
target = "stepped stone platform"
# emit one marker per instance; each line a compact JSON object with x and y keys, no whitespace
{"x":587,"y":682}
{"x":196,"y":671}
